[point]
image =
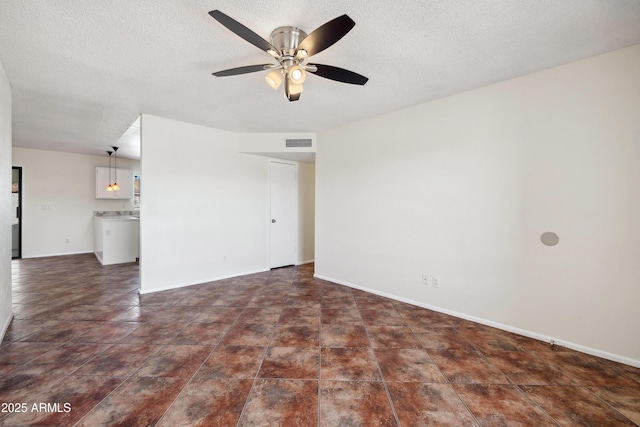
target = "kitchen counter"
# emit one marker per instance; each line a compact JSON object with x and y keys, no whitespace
{"x":116,"y":238}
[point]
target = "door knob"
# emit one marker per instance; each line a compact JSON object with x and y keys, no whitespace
{"x":273,"y":221}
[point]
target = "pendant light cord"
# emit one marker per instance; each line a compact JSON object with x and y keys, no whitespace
{"x":109,"y":153}
{"x":115,"y":167}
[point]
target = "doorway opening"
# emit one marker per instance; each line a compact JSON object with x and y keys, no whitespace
{"x":16,"y":215}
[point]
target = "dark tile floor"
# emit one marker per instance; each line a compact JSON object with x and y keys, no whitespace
{"x":278,"y":348}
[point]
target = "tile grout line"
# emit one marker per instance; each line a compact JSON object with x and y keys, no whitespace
{"x":132,"y":373}
{"x":193,"y":376}
{"x":160,"y":347}
{"x":255,"y":378}
{"x":473,"y":416}
{"x":607,"y":403}
{"x":384,"y":381}
{"x":511,"y":381}
{"x":535,"y":404}
{"x":109,"y":346}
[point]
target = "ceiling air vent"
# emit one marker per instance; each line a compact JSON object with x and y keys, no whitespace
{"x":298,"y":142}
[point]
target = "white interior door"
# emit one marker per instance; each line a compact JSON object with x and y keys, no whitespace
{"x":284,"y":214}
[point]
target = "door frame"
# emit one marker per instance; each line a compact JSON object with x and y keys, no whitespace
{"x":297,"y":210}
{"x":20,"y":191}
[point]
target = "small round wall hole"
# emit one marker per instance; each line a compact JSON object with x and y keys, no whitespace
{"x":549,"y":238}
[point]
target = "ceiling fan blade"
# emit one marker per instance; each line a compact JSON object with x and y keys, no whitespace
{"x":326,"y":35}
{"x":242,"y":31}
{"x":338,"y":74}
{"x":242,"y":70}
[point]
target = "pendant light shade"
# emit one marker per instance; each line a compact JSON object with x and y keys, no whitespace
{"x":115,"y":185}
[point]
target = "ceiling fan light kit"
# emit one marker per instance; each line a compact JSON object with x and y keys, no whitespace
{"x":295,"y":89}
{"x":274,"y":78}
{"x":297,"y":74}
{"x":290,"y":46}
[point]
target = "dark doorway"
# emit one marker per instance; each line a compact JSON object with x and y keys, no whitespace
{"x":16,"y":215}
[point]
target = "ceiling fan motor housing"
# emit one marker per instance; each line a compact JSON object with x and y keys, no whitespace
{"x":287,"y":39}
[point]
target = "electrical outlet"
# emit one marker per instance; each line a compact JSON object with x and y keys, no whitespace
{"x":66,"y":240}
{"x":435,"y":281}
{"x":425,"y":279}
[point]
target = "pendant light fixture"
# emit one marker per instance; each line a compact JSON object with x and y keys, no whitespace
{"x":115,"y":185}
{"x":109,"y":187}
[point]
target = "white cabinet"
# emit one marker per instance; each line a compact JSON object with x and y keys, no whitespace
{"x":124,"y":179}
{"x":116,"y":239}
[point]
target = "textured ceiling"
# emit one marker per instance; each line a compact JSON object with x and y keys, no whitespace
{"x":82,"y":71}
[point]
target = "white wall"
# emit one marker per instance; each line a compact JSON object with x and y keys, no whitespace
{"x":201,"y":201}
{"x":306,"y":211}
{"x":463,"y":187}
{"x":273,"y":142}
{"x":65,"y":182}
{"x":5,"y":202}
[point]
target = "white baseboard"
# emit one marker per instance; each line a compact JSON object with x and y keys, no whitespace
{"x":52,"y":255}
{"x":309,"y":261}
{"x":526,"y":333}
{"x":6,"y":326}
{"x":199,"y":282}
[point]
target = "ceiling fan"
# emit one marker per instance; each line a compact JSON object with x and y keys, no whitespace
{"x":290,"y":47}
